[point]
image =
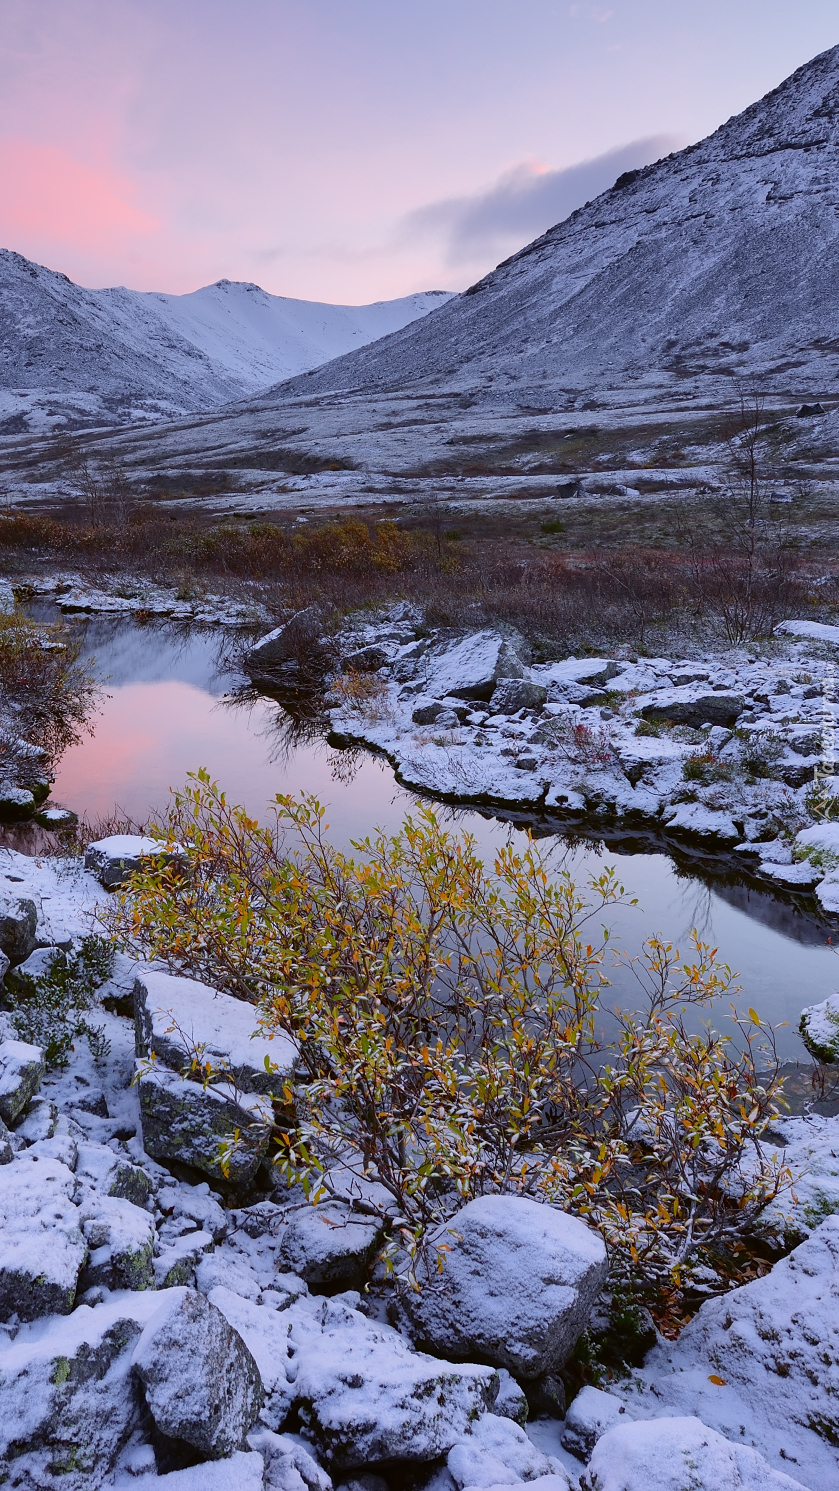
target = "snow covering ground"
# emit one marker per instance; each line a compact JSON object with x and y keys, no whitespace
{"x":149,"y":1319}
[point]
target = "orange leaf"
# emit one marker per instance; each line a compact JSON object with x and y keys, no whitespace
{"x":718,"y":1381}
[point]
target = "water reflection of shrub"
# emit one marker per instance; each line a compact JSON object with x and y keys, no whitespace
{"x":449,"y":1020}
{"x":46,"y":694}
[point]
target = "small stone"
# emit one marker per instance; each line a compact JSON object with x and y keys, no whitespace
{"x":40,"y":1122}
{"x":513,"y":694}
{"x":15,"y":802}
{"x":328,"y":1245}
{"x":121,"y":1239}
{"x":587,"y":1419}
{"x":426,"y":714}
{"x":177,"y":1264}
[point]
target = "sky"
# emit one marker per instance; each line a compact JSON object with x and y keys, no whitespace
{"x":352,"y":150}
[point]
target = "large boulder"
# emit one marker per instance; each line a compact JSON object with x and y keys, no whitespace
{"x":21,"y":1073}
{"x":190,"y":1123}
{"x":178,"y":1019}
{"x":472,"y":667}
{"x":516,"y":1287}
{"x":694,"y":705}
{"x":113,"y":859}
{"x":42,"y":1248}
{"x":513,"y":694}
{"x":18,"y":923}
{"x":761,"y":1364}
{"x":330,"y":1246}
{"x":69,"y":1401}
{"x":365,"y":1398}
{"x":678,"y":1454}
{"x":201,"y":1384}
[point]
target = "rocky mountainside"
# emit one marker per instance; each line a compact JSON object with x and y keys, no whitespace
{"x":721,"y":259}
{"x":112,"y":356}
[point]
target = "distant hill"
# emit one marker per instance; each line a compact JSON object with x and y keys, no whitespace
{"x":115,"y":356}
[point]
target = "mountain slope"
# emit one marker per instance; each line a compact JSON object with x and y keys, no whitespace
{"x":112,"y":356}
{"x":721,"y":259}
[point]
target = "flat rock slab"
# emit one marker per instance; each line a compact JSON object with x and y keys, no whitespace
{"x":176,"y":1018}
{"x":694,"y":706}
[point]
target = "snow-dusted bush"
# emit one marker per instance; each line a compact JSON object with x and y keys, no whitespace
{"x":450,"y":1023}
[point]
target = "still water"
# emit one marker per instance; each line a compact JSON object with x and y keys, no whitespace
{"x":172,"y":706}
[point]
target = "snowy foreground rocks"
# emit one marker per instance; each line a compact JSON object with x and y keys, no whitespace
{"x":112,"y":860}
{"x":678,"y":1454}
{"x":516,"y":1289}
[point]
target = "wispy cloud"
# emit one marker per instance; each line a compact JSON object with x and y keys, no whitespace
{"x":525,"y":201}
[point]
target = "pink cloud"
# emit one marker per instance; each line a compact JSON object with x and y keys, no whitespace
{"x":46,"y":194}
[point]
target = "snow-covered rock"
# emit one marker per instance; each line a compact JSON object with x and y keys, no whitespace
{"x":365,"y":1397}
{"x":113,"y":859}
{"x":187,"y":1122}
{"x":818,"y":630}
{"x":121,"y":1240}
{"x":294,"y":654}
{"x":588,"y":1417}
{"x":695,"y":820}
{"x":471,"y":667}
{"x":330,"y":1245}
{"x":693,"y":705}
{"x":199,"y":1380}
{"x":513,"y":694}
{"x":242,"y":1471}
{"x":678,"y":1454}
{"x":819,"y":1027}
{"x":18,"y":924}
{"x":177,"y":1264}
{"x":761,"y":1364}
{"x":496,"y":1452}
{"x":69,"y":1398}
{"x":179,"y":1020}
{"x":22,"y":1070}
{"x":42,"y":1248}
{"x":516,"y":1288}
{"x":811,"y":1150}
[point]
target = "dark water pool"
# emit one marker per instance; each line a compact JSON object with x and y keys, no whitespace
{"x":172,"y":707}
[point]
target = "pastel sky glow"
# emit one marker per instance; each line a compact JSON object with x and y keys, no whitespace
{"x":352,"y":150}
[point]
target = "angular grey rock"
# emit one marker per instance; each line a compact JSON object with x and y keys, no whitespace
{"x":112,"y":1174}
{"x":588,"y":1417}
{"x":69,"y":1404}
{"x":41,"y":1245}
{"x":471,"y":668}
{"x":18,"y":922}
{"x":364,"y":1397}
{"x":513,"y":694}
{"x":516,"y":1288}
{"x":186,"y":1122}
{"x":121,"y":1240}
{"x":366,"y":659}
{"x":678,"y":1454}
{"x":22,"y":1070}
{"x":694,"y":706}
{"x":330,"y":1245}
{"x":178,"y":1018}
{"x":200,"y":1382}
{"x":511,"y":1402}
{"x":113,"y":859}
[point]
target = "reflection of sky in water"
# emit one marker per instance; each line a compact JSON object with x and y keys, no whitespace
{"x":165,"y":717}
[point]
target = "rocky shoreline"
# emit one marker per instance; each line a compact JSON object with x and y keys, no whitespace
{"x":162,"y":1322}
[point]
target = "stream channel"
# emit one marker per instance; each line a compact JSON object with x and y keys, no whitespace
{"x":172,"y":706}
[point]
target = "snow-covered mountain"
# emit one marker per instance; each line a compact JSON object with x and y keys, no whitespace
{"x":113,"y":356}
{"x":722,"y":259}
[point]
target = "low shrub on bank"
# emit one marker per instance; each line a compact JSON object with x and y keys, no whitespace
{"x":452,"y":1026}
